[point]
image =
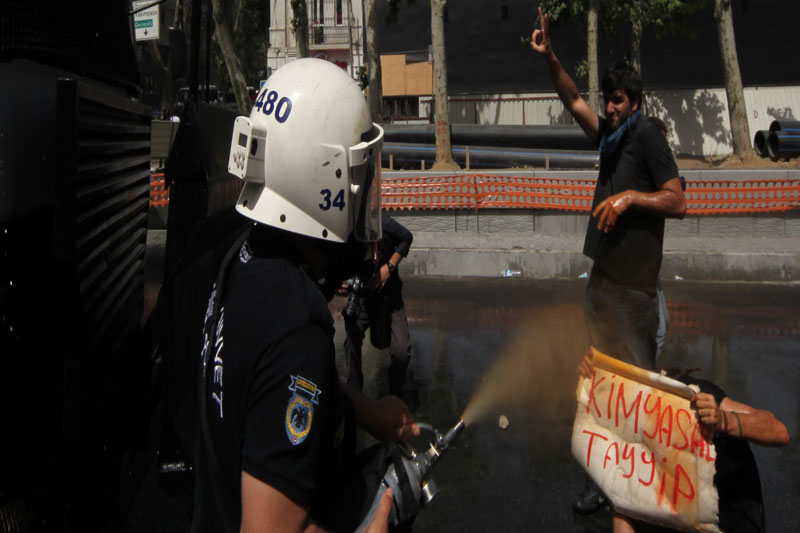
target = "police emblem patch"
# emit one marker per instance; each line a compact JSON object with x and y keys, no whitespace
{"x":300,"y":411}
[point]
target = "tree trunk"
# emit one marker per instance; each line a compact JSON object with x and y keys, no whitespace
{"x":180,"y":15}
{"x":224,"y":38}
{"x":740,"y":130}
{"x":300,"y":26}
{"x":165,"y":69}
{"x":444,"y":151}
{"x":164,"y":74}
{"x":375,"y":97}
{"x":636,"y":41}
{"x":591,"y":55}
{"x":237,"y":14}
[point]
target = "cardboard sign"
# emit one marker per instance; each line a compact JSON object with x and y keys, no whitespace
{"x":638,"y":438}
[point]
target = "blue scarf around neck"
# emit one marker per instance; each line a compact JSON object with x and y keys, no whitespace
{"x":610,"y":141}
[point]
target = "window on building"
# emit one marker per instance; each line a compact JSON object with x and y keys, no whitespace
{"x":339,"y":12}
{"x":317,"y":22}
{"x":400,"y":107}
{"x":318,"y":12}
{"x":504,"y":12}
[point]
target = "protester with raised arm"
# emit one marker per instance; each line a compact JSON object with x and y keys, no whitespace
{"x":637,"y":188}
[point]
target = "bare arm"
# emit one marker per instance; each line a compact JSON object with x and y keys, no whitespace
{"x":266,"y":509}
{"x":621,"y":524}
{"x":565,"y":87}
{"x":740,"y":420}
{"x":669,"y":202}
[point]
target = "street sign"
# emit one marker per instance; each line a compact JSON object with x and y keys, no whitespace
{"x":146,"y":22}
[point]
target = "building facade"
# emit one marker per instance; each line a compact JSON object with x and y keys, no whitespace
{"x":335,"y":33}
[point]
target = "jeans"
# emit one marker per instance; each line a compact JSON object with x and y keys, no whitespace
{"x":622,"y":322}
{"x":663,"y":321}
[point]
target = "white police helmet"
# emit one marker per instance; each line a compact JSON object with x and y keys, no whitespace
{"x":310,"y":155}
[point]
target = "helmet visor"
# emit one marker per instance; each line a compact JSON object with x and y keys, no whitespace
{"x":367,"y":225}
{"x":367,"y":176}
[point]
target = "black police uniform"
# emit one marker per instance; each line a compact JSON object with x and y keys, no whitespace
{"x":273,"y":404}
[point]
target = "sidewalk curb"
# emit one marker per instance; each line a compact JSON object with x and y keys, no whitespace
{"x":560,"y":256}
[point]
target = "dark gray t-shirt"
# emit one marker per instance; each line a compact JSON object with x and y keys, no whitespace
{"x":631,"y":253}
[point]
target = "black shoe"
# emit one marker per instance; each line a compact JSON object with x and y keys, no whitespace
{"x":588,"y":503}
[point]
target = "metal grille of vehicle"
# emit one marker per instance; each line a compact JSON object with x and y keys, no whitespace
{"x":103,"y":197}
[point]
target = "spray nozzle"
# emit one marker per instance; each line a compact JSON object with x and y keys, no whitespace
{"x":410,"y":477}
{"x":443,"y":441}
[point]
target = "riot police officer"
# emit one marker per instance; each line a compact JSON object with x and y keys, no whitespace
{"x":274,"y":438}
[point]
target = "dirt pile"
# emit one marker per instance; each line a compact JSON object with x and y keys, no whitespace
{"x":734,"y":162}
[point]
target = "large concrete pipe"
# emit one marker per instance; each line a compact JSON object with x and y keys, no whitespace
{"x":783,"y":144}
{"x":412,"y":155}
{"x":556,"y":137}
{"x":760,"y":142}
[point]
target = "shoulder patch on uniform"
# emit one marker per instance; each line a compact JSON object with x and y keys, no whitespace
{"x":300,"y":411}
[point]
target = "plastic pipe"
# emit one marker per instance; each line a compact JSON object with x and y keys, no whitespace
{"x":760,"y":142}
{"x":490,"y":157}
{"x":785,"y":125}
{"x":555,"y":137}
{"x":784,"y":144}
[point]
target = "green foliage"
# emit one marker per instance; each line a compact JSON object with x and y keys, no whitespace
{"x":299,"y":14}
{"x":561,"y":11}
{"x":582,"y":71}
{"x":664,"y":17}
{"x":363,"y":77}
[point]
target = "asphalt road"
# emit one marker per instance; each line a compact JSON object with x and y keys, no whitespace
{"x":521,"y":340}
{"x":511,"y":346}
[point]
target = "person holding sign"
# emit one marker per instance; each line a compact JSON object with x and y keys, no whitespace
{"x":730,"y":426}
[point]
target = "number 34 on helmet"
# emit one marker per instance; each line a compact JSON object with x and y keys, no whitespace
{"x":309,"y":155}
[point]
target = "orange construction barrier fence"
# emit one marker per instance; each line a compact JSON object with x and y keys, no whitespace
{"x":159,"y":193}
{"x":476,"y":191}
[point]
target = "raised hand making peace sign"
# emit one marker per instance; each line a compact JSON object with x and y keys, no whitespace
{"x":540,"y":38}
